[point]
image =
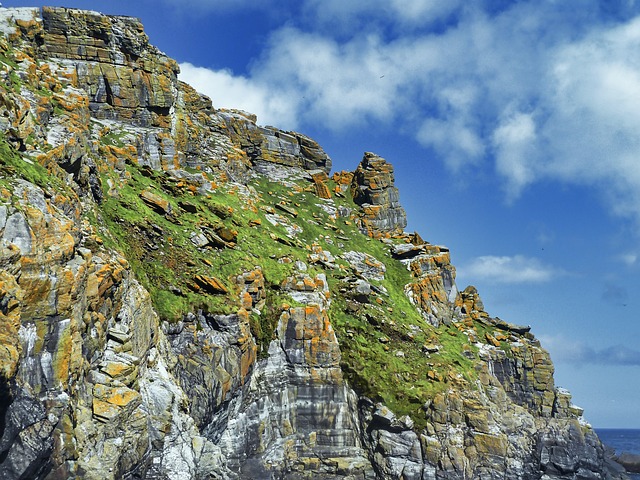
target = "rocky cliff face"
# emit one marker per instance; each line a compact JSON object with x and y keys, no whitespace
{"x":186,"y":294}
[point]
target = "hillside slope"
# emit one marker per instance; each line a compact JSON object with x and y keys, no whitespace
{"x":187,"y":294}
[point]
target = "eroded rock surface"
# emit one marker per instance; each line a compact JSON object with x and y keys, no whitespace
{"x":374,"y":190}
{"x":185,"y":294}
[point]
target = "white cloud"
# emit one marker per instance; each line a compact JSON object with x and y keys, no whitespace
{"x":505,"y":269}
{"x":513,"y":141}
{"x":594,"y":102}
{"x":452,"y":139}
{"x":578,"y":353}
{"x":530,"y":88}
{"x":337,"y":85}
{"x":229,"y":91}
{"x":629,"y":259}
{"x":352,"y":15}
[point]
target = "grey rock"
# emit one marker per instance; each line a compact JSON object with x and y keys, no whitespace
{"x":26,"y":441}
{"x":510,"y":327}
{"x":365,"y":265}
{"x":3,"y":216}
{"x":373,"y":185}
{"x":629,"y":461}
{"x":406,"y":250}
{"x":18,"y":232}
{"x":199,"y":240}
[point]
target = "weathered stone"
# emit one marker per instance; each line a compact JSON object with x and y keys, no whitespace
{"x":93,"y":385}
{"x":118,"y":396}
{"x":320,"y":183}
{"x":510,"y":327}
{"x":287,"y":209}
{"x":209,"y":284}
{"x":156,"y":202}
{"x":366,"y":265}
{"x":289,"y":149}
{"x":629,"y":461}
{"x":311,"y":407}
{"x":373,"y":189}
{"x":406,"y":250}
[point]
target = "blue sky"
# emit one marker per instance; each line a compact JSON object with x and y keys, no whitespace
{"x":513,"y":126}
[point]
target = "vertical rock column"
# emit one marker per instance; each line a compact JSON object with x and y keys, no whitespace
{"x":297,"y":417}
{"x":373,"y":189}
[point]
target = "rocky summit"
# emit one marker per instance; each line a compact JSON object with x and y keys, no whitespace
{"x":185,"y":294}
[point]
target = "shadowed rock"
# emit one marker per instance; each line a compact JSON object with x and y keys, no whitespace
{"x":630,"y":462}
{"x":130,"y":349}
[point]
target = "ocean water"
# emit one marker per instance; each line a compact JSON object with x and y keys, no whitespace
{"x":621,"y":440}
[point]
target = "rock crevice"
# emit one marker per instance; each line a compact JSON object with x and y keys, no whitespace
{"x":185,"y":294}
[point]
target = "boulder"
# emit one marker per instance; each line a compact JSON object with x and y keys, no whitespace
{"x":630,"y":461}
{"x":320,"y":179}
{"x":288,"y":149}
{"x":156,"y":202}
{"x":209,"y":285}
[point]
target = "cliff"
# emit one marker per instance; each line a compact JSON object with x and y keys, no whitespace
{"x":187,"y":294}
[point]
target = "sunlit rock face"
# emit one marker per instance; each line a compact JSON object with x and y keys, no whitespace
{"x":185,"y":294}
{"x":374,"y":191}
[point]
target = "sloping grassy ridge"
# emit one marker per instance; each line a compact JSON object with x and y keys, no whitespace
{"x":381,"y":339}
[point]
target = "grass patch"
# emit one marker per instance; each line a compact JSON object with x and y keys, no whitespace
{"x":381,"y":343}
{"x":14,"y":164}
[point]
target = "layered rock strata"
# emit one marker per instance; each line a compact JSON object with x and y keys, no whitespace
{"x":374,"y":191}
{"x":187,"y":294}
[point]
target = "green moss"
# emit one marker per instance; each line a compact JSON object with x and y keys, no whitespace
{"x":58,"y":111}
{"x":381,"y":344}
{"x":14,"y":164}
{"x":7,"y":58}
{"x":263,"y":326}
{"x":166,"y":260}
{"x":114,"y":138}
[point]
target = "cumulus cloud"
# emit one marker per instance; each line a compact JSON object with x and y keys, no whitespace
{"x":592,"y":130}
{"x":351,"y":15}
{"x":534,"y":90}
{"x":629,"y":259}
{"x":505,"y":269}
{"x":227,"y":90}
{"x":513,"y":141}
{"x":579,"y":353}
{"x":196,"y":6}
{"x":452,"y":139}
{"x":335,"y":84}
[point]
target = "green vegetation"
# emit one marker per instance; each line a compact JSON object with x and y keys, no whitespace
{"x":178,"y":236}
{"x":114,"y":138}
{"x":14,"y":164}
{"x":381,"y":341}
{"x":9,"y":64}
{"x":161,"y":251}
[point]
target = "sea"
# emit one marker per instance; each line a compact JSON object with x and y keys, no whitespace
{"x":621,"y":440}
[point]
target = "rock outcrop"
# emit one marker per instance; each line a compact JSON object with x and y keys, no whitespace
{"x":630,"y":461}
{"x":269,"y":144}
{"x":185,"y":294}
{"x":374,"y":191}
